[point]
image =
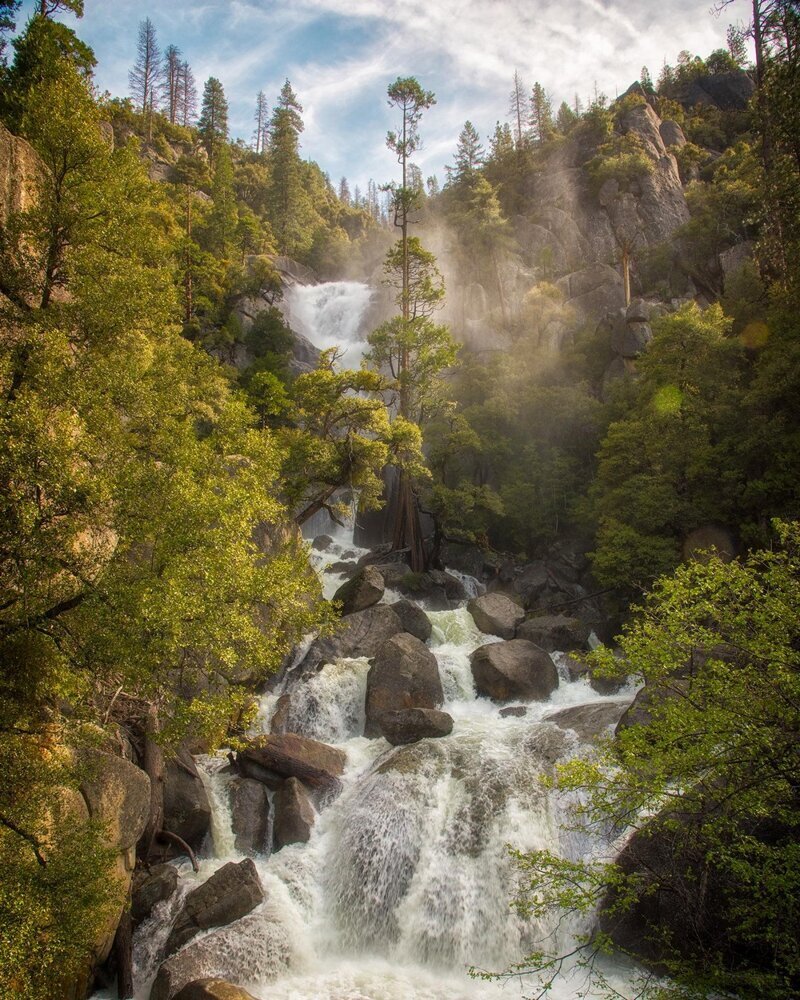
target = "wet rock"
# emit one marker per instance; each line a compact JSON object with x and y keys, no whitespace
{"x":213,"y":989}
{"x":464,"y":557}
{"x":280,"y":717}
{"x":342,"y":568}
{"x":515,"y":669}
{"x":588,"y":721}
{"x":514,"y":711}
{"x":404,"y":674}
{"x":322,"y":542}
{"x":249,"y":815}
{"x":412,"y":724}
{"x":531,"y":582}
{"x":496,"y":614}
{"x":552,"y":632}
{"x":414,"y":619}
{"x":363,"y":634}
{"x":271,"y":759}
{"x":187,"y":811}
{"x":231,"y":893}
{"x":294,"y":814}
{"x":365,"y":589}
{"x":151,"y":886}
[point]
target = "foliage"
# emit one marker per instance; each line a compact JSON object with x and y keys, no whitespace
{"x":718,"y":757}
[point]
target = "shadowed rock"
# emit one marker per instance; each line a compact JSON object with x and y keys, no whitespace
{"x":365,"y":589}
{"x":275,"y":757}
{"x":404,"y":674}
{"x":412,"y":724}
{"x":294,"y":814}
{"x":552,"y":632}
{"x":515,"y":669}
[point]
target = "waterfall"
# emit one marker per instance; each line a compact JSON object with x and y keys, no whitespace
{"x":331,"y":315}
{"x":406,"y":880}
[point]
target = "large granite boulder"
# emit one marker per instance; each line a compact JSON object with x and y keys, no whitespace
{"x":213,"y":989}
{"x":408,"y":725}
{"x":273,"y":758}
{"x":552,"y":632}
{"x":496,"y":614}
{"x":404,"y":674}
{"x":513,"y":670}
{"x":187,"y":811}
{"x":361,"y":592}
{"x":363,"y":634}
{"x":117,"y":794}
{"x":231,"y":893}
{"x":414,"y":619}
{"x":294,"y":814}
{"x":250,"y":811}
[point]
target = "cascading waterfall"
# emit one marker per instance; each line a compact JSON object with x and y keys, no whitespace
{"x":406,"y":880}
{"x":331,"y":315}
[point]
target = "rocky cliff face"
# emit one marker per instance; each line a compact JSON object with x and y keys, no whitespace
{"x":21,"y":171}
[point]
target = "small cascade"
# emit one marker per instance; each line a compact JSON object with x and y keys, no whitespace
{"x":406,"y":880}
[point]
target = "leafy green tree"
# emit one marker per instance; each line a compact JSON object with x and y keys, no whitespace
{"x":8,"y":11}
{"x":717,"y":761}
{"x":213,"y":122}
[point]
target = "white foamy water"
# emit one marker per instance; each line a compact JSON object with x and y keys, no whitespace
{"x":331,"y":315}
{"x":406,"y":880}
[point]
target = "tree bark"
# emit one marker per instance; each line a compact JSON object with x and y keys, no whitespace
{"x":153,"y":766}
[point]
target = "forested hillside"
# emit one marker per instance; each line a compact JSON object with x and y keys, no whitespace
{"x":580,"y":388}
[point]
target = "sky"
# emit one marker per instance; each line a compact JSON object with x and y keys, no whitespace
{"x":341,"y":55}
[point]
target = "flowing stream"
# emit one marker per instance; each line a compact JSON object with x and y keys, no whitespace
{"x":406,"y":880}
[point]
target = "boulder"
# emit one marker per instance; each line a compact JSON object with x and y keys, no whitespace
{"x":637,"y":312}
{"x":515,"y":669}
{"x":672,"y":134}
{"x":322,"y":542}
{"x":404,"y":674}
{"x":344,"y":567}
{"x":231,"y":893}
{"x":280,"y":717}
{"x":363,"y":634}
{"x":632,"y":339}
{"x":409,"y":725}
{"x":151,"y":886}
{"x":640,"y":711}
{"x":249,"y":815}
{"x":187,"y":811}
{"x":514,"y":712}
{"x":603,"y":685}
{"x":552,"y":632}
{"x":273,"y":758}
{"x":361,"y":592}
{"x":213,"y":989}
{"x":117,"y":794}
{"x":294,"y":814}
{"x":588,"y":721}
{"x":496,"y":614}
{"x":414,"y":619}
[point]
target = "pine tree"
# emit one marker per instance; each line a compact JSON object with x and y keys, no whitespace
{"x":172,"y":77}
{"x":187,"y":95}
{"x":288,"y":201}
{"x":8,"y":10}
{"x":344,"y":191}
{"x":145,"y":76}
{"x":541,"y":115}
{"x":470,"y":155}
{"x":565,"y":118}
{"x":46,"y":8}
{"x":646,"y":80}
{"x":518,"y":110}
{"x":222,"y":223}
{"x":260,"y":117}
{"x":432,"y":183}
{"x":213,"y":123}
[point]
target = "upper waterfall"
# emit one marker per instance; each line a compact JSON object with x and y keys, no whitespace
{"x":331,"y":315}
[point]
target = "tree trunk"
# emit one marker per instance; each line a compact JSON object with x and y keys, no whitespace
{"x":123,"y":952}
{"x":153,"y":766}
{"x":626,"y":275}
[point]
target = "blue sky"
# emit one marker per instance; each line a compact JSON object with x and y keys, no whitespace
{"x":341,"y":55}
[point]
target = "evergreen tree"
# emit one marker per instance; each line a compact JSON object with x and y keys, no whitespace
{"x":470,"y":155}
{"x":289,"y":207}
{"x":187,"y":95}
{"x":344,"y":191}
{"x":432,"y":184}
{"x":541,"y":115}
{"x":260,"y":117}
{"x":213,"y":122}
{"x":8,"y":10}
{"x":565,"y":118}
{"x":46,"y":8}
{"x":223,"y":221}
{"x":172,"y":80}
{"x":646,"y":80}
{"x":145,"y":77}
{"x":518,"y":109}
